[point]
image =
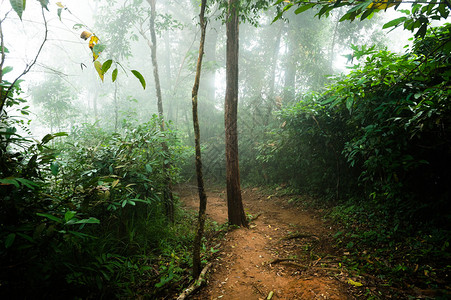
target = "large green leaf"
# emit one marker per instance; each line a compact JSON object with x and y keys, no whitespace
{"x":394,"y":22}
{"x":304,"y":8}
{"x":7,"y":69}
{"x":69,"y":215}
{"x":9,"y":181}
{"x":28,"y":183}
{"x":91,"y":220}
{"x":50,"y":217}
{"x":140,"y":77}
{"x":18,"y":6}
{"x":10,"y":240}
{"x":106,"y":66}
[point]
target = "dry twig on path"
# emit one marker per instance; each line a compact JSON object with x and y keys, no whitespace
{"x":196,"y":284}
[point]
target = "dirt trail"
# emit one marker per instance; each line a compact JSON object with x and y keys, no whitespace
{"x":245,"y":267}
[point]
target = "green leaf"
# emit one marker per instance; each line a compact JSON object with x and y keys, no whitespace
{"x":58,"y":134}
{"x":422,"y":31}
{"x":28,"y":183}
{"x":47,"y":138}
{"x":60,"y":10}
{"x":81,"y":234}
{"x":415,"y":8}
{"x":18,"y":6}
{"x":106,"y":66}
{"x":444,"y":12}
{"x":304,"y":8}
{"x":114,"y":75}
{"x":44,"y":3}
{"x":69,"y":215}
{"x":140,"y":77}
{"x":50,"y":217}
{"x":54,"y":167}
{"x":367,"y":14}
{"x":25,"y":236}
{"x":394,"y":22}
{"x":349,"y":103}
{"x":10,"y":181}
{"x":10,"y":240}
{"x":91,"y":220}
{"x":345,"y":17}
{"x":7,"y":70}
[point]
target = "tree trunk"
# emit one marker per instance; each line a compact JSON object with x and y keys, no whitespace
{"x":234,"y":200}
{"x":200,"y":180}
{"x":116,"y":109}
{"x":167,"y":193}
{"x":290,"y":69}
{"x":168,"y":75}
{"x":271,"y":96}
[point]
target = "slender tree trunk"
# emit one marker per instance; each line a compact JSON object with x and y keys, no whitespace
{"x":332,"y":46}
{"x":167,"y":193}
{"x":272,"y":83}
{"x":290,"y":69}
{"x":210,"y":56}
{"x":200,"y":180}
{"x":156,"y":73}
{"x":168,"y":75}
{"x":94,"y":100}
{"x":116,"y":109}
{"x":208,"y":85}
{"x":234,"y":199}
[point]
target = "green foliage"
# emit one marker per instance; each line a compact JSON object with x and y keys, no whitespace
{"x":18,"y":6}
{"x":140,"y":78}
{"x":84,"y":217}
{"x":418,"y":18}
{"x":377,"y":142}
{"x":54,"y":98}
{"x":248,"y":11}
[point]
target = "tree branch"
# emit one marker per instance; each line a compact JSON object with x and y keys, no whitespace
{"x":28,"y":67}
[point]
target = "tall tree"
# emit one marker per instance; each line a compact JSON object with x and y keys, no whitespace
{"x":167,"y":194}
{"x":234,"y":199}
{"x":200,"y":179}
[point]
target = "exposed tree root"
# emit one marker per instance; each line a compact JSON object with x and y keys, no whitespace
{"x":292,"y":261}
{"x":196,"y":284}
{"x":300,"y":236}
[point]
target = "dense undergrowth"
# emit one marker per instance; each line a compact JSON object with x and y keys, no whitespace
{"x":83,"y":215}
{"x":376,"y":146}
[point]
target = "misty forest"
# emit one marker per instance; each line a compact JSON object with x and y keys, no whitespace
{"x":225,"y":149}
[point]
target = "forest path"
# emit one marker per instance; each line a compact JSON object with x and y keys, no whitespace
{"x":244,"y":268}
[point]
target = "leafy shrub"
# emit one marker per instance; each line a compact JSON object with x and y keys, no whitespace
{"x":377,"y":143}
{"x":85,"y":217}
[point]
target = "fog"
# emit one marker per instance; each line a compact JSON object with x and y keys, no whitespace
{"x":279,"y":63}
